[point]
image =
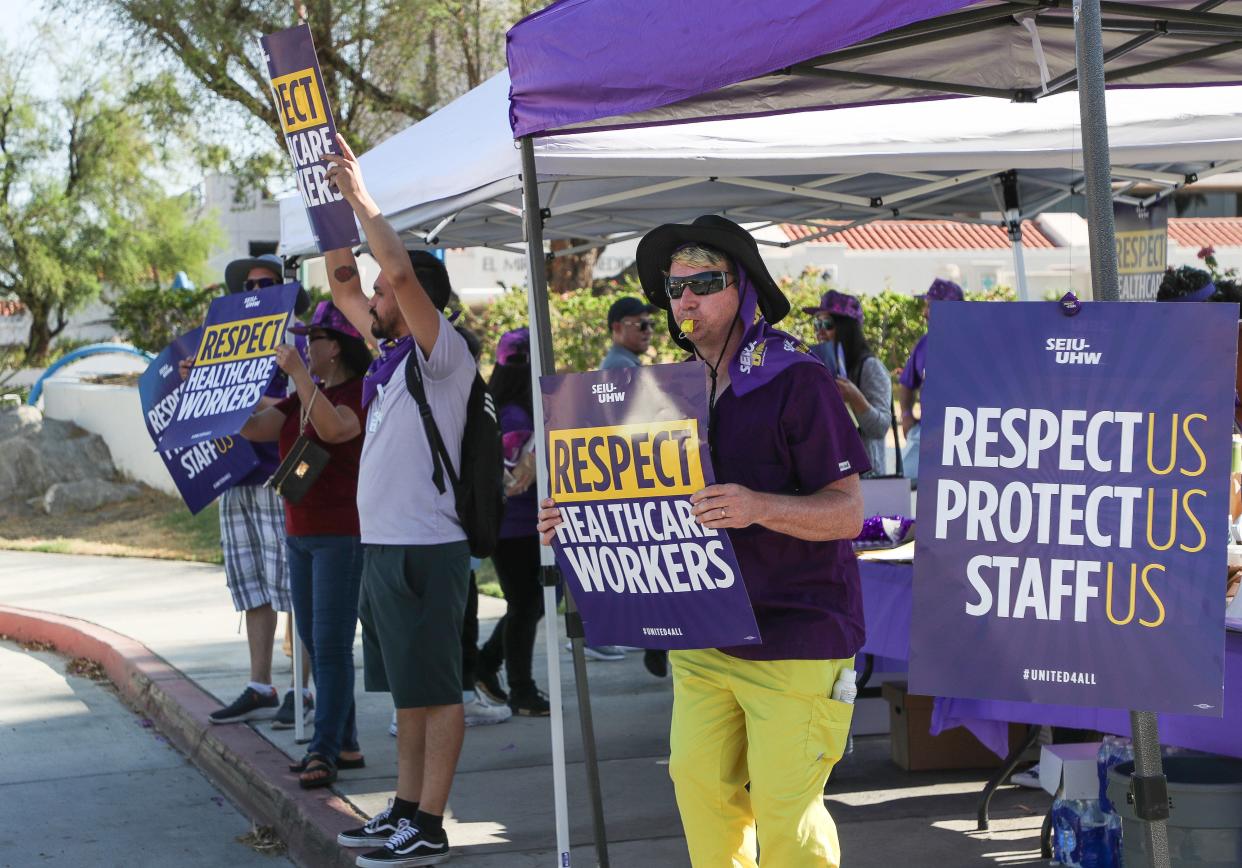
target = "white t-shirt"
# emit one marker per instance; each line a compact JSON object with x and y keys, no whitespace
{"x":397,"y":500}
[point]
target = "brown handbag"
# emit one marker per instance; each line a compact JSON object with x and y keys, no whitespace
{"x":302,"y":465}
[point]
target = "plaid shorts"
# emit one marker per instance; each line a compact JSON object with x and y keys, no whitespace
{"x":252,"y":532}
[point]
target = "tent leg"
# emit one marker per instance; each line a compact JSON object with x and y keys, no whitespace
{"x":542,"y":359}
{"x":299,"y":724}
{"x":1148,"y":784}
{"x":1019,"y":266}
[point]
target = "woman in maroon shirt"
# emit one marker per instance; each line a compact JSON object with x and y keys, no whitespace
{"x":324,"y":550}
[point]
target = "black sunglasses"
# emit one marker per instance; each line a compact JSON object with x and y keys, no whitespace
{"x":258,"y":283}
{"x":826,"y":325}
{"x":644,"y":325}
{"x":703,"y":283}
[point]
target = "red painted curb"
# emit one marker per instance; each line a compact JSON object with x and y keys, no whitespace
{"x":251,"y":770}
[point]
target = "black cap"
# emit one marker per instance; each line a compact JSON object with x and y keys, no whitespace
{"x":628,"y":306}
{"x":433,"y":276}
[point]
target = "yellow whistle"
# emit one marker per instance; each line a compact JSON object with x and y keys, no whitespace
{"x":687,"y":326}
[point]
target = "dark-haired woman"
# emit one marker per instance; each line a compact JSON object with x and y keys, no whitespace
{"x":323,"y":545}
{"x":517,"y":552}
{"x":861,"y":378}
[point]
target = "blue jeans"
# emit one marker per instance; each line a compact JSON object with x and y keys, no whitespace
{"x":325,"y":573}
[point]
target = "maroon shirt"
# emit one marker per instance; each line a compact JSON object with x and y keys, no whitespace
{"x":330,"y":507}
{"x":793,"y":436}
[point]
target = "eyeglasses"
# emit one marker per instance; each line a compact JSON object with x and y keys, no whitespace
{"x":319,"y":337}
{"x":644,"y":325}
{"x":703,"y":283}
{"x":258,"y":283}
{"x":825,"y":325}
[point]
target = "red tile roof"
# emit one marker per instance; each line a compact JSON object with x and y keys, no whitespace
{"x":1205,"y":231}
{"x":11,"y":308}
{"x":922,"y":235}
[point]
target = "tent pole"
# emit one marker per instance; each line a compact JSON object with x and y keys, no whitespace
{"x":1013,"y":223}
{"x":1148,"y":784}
{"x":541,"y":359}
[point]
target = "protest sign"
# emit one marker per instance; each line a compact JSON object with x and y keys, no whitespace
{"x":234,"y":365}
{"x":200,"y":472}
{"x":1142,"y":240}
{"x":626,"y":449}
{"x":1072,"y":501}
{"x":310,"y":132}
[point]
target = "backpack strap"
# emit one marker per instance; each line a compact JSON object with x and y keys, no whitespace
{"x":440,"y":460}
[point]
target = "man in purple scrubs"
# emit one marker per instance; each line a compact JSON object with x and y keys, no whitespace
{"x":787,"y":460}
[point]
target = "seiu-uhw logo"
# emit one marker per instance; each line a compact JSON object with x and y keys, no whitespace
{"x":251,"y":301}
{"x":607,"y":393}
{"x":1072,"y":351}
{"x":165,"y":370}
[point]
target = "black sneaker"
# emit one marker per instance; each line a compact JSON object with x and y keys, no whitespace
{"x":284,"y":717}
{"x":377,"y":831}
{"x":489,"y":685}
{"x":251,"y":705}
{"x":656,"y":662}
{"x":529,"y":703}
{"x":409,"y":847}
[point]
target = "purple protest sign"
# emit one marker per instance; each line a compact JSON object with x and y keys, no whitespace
{"x":203,"y":471}
{"x":234,"y":365}
{"x":1072,"y":487}
{"x":626,"y":449}
{"x":310,"y":132}
{"x":1142,"y":240}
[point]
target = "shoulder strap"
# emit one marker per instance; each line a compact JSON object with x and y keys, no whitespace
{"x":439,"y":454}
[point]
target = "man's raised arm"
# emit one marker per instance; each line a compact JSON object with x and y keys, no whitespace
{"x":419,"y":313}
{"x":345,"y":282}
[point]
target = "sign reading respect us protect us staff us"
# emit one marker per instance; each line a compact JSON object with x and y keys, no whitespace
{"x":626,"y":449}
{"x":1072,"y":505}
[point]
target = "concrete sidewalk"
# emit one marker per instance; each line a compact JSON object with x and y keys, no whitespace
{"x":82,"y":776}
{"x":501,"y":807}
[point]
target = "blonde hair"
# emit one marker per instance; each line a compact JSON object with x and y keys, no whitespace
{"x":700,"y":256}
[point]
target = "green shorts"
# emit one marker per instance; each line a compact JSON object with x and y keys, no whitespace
{"x":411,"y":607}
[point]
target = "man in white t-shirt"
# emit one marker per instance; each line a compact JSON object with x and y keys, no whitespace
{"x":416,"y":563}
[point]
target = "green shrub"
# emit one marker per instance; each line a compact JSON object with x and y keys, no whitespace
{"x":149,"y":318}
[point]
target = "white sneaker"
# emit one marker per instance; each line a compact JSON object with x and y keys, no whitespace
{"x":1028,"y":778}
{"x":599,"y":652}
{"x":392,"y":727}
{"x":480,"y":713}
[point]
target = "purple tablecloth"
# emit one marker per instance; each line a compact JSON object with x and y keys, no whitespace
{"x":887,"y":607}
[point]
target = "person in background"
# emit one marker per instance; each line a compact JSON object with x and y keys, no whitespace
{"x":914,"y":374}
{"x":631,"y":327}
{"x":517,"y":552}
{"x":324,"y":549}
{"x":252,"y":536}
{"x":862,"y":378}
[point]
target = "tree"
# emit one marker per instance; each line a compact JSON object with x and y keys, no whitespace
{"x":78,"y":209}
{"x":385,"y":63}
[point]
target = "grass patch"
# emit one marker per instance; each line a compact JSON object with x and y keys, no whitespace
{"x":152,"y":525}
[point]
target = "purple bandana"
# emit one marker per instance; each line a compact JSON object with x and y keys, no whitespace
{"x":1203,"y":293}
{"x":765,"y":351}
{"x":390,"y":355}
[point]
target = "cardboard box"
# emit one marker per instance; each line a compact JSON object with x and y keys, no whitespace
{"x":1072,"y":766}
{"x":916,"y":750}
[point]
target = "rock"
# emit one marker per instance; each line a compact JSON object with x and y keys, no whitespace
{"x":84,"y":495}
{"x":20,"y":419}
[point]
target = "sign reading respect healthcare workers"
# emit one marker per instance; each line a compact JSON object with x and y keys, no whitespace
{"x":1072,"y":504}
{"x":626,"y":449}
{"x":236,"y":361}
{"x":200,"y":472}
{"x":1142,"y":240}
{"x":310,"y":132}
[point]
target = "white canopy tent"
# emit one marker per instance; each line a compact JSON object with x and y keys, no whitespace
{"x":454,"y":179}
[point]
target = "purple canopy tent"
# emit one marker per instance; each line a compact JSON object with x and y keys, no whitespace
{"x":590,"y":64}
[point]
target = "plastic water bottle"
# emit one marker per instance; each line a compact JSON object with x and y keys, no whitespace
{"x":846,"y":688}
{"x":1093,"y":837}
{"x":1115,"y":841}
{"x":1066,"y":828}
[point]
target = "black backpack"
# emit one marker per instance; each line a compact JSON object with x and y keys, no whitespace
{"x":479,"y":491}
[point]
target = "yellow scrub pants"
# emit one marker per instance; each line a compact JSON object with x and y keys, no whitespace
{"x":771,"y":723}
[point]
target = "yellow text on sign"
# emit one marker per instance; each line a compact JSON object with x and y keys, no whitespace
{"x":241,"y":339}
{"x":298,"y":101}
{"x":1143,"y":251}
{"x":649,"y":459}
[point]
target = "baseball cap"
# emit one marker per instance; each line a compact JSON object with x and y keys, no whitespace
{"x":628,"y":306}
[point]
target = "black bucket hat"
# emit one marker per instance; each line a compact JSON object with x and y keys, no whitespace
{"x":655,"y":252}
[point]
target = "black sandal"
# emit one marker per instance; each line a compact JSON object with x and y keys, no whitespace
{"x":341,"y":763}
{"x":317,"y":764}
